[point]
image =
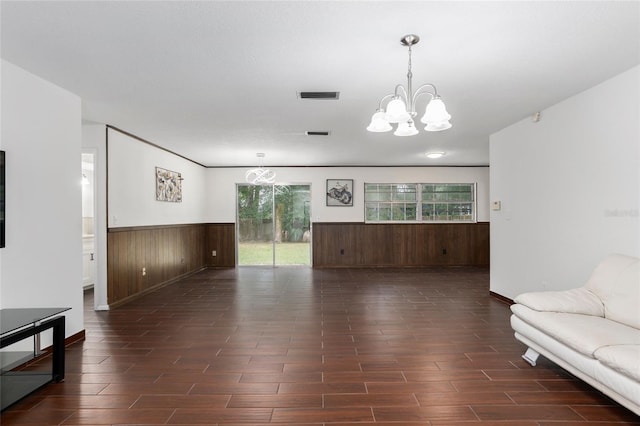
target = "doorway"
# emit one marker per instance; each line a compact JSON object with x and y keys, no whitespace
{"x":273,"y":225}
{"x":88,"y":223}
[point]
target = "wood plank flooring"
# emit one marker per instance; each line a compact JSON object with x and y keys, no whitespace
{"x":298,"y":346}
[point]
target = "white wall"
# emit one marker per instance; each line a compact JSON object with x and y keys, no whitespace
{"x":209,"y":194}
{"x":221,"y":187}
{"x":569,"y":187}
{"x":42,"y":260}
{"x":132,"y":185}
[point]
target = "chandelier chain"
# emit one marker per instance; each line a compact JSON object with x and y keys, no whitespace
{"x":410,"y":108}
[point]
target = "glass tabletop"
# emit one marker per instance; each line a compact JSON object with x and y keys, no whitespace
{"x":15,"y":318}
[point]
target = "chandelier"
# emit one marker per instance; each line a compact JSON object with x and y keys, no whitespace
{"x":401,"y":105}
{"x":260,"y":175}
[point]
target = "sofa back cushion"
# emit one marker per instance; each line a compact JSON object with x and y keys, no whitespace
{"x":574,"y":301}
{"x":616,"y":281}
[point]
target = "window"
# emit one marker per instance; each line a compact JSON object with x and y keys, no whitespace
{"x":390,"y":202}
{"x":448,"y":202}
{"x":420,"y":202}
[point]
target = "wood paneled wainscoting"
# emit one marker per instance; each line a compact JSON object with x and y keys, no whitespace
{"x":141,"y":259}
{"x":400,"y":244}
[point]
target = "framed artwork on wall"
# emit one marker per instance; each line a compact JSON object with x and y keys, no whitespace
{"x":340,"y":192}
{"x":168,"y":185}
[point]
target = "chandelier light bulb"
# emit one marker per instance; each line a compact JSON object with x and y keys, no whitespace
{"x":436,"y":112}
{"x":406,"y":129}
{"x":397,"y":111}
{"x":379,"y":123}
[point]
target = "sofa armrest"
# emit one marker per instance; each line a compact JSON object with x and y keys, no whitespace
{"x":574,"y":301}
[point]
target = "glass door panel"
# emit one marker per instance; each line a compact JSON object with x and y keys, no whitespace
{"x":292,"y":220}
{"x":255,"y":225}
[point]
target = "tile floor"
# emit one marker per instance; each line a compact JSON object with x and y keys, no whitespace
{"x":298,"y":346}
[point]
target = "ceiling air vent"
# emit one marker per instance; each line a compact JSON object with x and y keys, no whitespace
{"x":322,"y":133}
{"x":318,"y":95}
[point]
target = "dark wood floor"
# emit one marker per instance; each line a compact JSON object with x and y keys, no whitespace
{"x":311,"y":347}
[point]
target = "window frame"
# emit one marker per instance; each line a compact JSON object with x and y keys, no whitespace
{"x":419,"y":202}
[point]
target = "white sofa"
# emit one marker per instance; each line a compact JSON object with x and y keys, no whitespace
{"x":593,"y":331}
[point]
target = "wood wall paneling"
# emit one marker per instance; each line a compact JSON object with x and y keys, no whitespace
{"x":166,"y":252}
{"x":400,"y":244}
{"x":221,"y":237}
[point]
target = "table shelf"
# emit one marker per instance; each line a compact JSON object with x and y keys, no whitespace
{"x":12,"y":359}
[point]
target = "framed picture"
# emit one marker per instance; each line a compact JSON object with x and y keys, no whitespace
{"x":340,"y":192}
{"x":168,"y":185}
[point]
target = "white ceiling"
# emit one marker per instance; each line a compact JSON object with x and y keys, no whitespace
{"x":217,"y":82}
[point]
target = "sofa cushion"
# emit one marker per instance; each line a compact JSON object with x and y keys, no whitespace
{"x":616,"y":281}
{"x":623,"y":302}
{"x":625,"y":359}
{"x":576,"y":301}
{"x":583,"y":333}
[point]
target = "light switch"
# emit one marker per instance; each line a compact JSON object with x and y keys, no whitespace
{"x":496,"y":205}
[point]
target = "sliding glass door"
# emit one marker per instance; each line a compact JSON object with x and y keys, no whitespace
{"x":274,"y":225}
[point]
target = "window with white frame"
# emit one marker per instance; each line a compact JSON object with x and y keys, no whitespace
{"x":420,"y":202}
{"x":390,"y":202}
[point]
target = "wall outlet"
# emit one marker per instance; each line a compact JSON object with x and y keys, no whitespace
{"x":144,"y":271}
{"x":214,"y":253}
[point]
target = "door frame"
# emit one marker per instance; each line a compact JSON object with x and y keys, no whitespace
{"x":100,"y":302}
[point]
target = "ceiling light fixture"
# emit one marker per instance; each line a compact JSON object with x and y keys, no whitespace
{"x":434,"y":154}
{"x":401,"y":105}
{"x":260,"y":175}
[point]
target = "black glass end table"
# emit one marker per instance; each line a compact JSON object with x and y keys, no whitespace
{"x":17,"y":325}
